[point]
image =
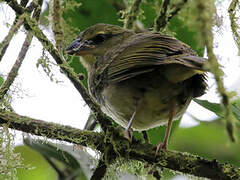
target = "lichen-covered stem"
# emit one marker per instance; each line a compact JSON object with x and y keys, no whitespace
{"x":185,"y":163}
{"x":51,"y":130}
{"x":205,"y":11}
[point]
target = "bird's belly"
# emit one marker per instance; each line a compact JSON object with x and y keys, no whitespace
{"x":152,"y":104}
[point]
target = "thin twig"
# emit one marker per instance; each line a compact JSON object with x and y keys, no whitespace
{"x":178,"y":7}
{"x":161,"y":20}
{"x":205,"y":11}
{"x":14,"y":28}
{"x":234,"y":25}
{"x":132,"y":14}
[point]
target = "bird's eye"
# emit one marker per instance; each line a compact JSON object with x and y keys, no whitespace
{"x":99,"y":38}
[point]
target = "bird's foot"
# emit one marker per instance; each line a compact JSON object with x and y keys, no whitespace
{"x":160,"y":146}
{"x":128,"y":134}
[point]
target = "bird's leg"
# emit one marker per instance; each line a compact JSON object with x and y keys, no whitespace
{"x":128,"y":133}
{"x":164,"y":144}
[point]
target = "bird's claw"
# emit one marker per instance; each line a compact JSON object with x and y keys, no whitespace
{"x":160,"y":146}
{"x":128,"y":134}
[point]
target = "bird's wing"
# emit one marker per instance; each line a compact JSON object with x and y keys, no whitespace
{"x":145,"y":52}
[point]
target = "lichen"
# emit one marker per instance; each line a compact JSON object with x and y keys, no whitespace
{"x":47,"y":65}
{"x":9,"y":160}
{"x":122,"y":167}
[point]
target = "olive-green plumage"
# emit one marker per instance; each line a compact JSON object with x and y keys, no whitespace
{"x":146,"y":74}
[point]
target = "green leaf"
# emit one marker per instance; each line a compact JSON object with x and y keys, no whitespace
{"x":218,"y":109}
{"x":72,"y":163}
{"x":235,"y":106}
{"x":214,"y":107}
{"x":50,"y":151}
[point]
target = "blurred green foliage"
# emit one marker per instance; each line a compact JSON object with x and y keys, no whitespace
{"x":39,"y":168}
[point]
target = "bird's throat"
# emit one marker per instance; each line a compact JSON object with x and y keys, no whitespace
{"x":87,"y":61}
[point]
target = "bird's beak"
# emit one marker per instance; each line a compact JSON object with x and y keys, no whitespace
{"x":79,"y":47}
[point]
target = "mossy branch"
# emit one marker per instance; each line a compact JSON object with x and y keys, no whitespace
{"x":57,"y":24}
{"x":52,"y":130}
{"x":234,"y":25}
{"x":177,"y":161}
{"x":205,"y":11}
{"x":131,"y":14}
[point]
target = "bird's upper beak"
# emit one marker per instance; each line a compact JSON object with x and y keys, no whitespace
{"x":79,"y":47}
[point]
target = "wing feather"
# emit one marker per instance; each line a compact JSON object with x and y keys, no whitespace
{"x":145,"y":52}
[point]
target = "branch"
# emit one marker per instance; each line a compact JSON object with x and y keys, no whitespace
{"x":185,"y":163}
{"x":52,"y":130}
{"x":205,"y":21}
{"x":132,"y":14}
{"x":234,"y":25}
{"x":161,"y":20}
{"x":177,"y":161}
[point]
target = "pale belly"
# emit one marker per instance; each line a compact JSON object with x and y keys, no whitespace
{"x":152,"y":101}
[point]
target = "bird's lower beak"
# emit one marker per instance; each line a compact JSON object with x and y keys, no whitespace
{"x":79,"y":47}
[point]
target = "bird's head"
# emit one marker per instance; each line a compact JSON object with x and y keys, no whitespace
{"x":97,"y":40}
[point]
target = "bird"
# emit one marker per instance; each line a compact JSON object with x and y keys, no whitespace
{"x":141,"y":80}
